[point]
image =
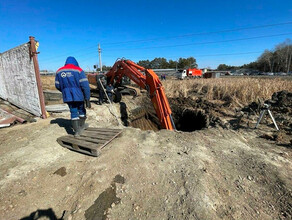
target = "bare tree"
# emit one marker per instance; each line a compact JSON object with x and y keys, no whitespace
{"x":267,"y":58}
{"x":284,"y":53}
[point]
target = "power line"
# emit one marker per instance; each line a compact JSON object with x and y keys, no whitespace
{"x":205,"y":55}
{"x":202,"y":33}
{"x":201,"y":43}
{"x":228,"y":54}
{"x":179,"y":36}
{"x":177,"y":57}
{"x":195,"y":56}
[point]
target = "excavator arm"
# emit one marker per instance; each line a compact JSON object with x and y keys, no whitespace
{"x":149,"y":81}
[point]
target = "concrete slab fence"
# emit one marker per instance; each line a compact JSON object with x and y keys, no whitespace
{"x":20,"y":82}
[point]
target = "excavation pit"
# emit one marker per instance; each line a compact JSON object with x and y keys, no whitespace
{"x":186,"y":120}
{"x":188,"y":115}
{"x":189,"y":120}
{"x":140,"y":118}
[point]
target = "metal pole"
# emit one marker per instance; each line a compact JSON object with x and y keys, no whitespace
{"x":99,"y":55}
{"x":34,"y":57}
{"x":260,"y":118}
{"x":114,"y":111}
{"x":273,"y":119}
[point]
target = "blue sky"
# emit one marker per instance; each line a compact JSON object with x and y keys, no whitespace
{"x":74,"y":28}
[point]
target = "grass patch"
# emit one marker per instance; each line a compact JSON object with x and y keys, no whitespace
{"x":237,"y":91}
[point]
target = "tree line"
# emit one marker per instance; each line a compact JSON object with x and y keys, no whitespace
{"x":162,"y":63}
{"x":278,"y":59}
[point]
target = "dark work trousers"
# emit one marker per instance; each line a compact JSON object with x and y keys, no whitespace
{"x":77,"y":110}
{"x":101,"y":96}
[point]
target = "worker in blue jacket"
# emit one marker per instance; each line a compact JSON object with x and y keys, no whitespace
{"x":72,"y":82}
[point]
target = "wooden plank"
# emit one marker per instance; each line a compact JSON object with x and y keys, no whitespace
{"x":74,"y":147}
{"x":75,"y":141}
{"x":97,"y":134}
{"x":102,"y":138}
{"x":90,"y":152}
{"x":103,"y":129}
{"x":89,"y":139}
{"x":111,"y":139}
{"x":90,"y":142}
{"x":101,"y":133}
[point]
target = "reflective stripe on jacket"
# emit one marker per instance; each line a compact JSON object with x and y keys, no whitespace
{"x":73,"y":83}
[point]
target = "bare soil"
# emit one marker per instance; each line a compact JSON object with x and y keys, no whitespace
{"x":223,"y":169}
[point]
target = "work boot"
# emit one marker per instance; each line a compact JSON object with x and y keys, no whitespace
{"x":82,"y":124}
{"x":76,"y":127}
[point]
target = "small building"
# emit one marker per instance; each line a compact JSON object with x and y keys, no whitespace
{"x":212,"y":75}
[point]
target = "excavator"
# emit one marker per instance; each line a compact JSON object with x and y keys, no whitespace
{"x":145,"y":79}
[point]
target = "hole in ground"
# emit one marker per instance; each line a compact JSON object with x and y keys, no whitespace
{"x":190,"y":120}
{"x":186,"y":118}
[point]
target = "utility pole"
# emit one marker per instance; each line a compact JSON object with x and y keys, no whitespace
{"x":99,"y":55}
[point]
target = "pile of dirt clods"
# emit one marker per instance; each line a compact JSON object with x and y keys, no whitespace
{"x":280,"y":106}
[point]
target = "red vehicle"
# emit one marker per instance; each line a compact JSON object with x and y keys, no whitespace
{"x":194,"y":73}
{"x":190,"y":73}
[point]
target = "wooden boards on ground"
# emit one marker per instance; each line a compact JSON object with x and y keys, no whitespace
{"x":91,"y":141}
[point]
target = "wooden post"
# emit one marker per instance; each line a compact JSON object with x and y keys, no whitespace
{"x":33,"y":55}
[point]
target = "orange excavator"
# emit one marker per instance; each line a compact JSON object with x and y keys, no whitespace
{"x":146,"y":79}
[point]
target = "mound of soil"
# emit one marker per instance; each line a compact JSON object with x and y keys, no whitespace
{"x":280,"y":106}
{"x":196,"y":114}
{"x":282,"y":102}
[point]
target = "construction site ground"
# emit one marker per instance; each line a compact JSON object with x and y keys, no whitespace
{"x":218,"y":172}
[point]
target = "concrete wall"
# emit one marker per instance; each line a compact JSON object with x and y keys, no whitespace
{"x":17,"y":79}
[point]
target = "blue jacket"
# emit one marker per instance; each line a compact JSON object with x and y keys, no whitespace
{"x":72,"y":82}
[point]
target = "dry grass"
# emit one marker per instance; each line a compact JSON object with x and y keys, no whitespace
{"x":239,"y":91}
{"x":48,"y":82}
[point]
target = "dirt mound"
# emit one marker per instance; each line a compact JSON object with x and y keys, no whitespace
{"x":280,"y":106}
{"x":282,"y":102}
{"x":195,"y":114}
{"x":210,"y":174}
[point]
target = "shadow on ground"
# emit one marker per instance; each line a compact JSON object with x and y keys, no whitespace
{"x":286,"y":145}
{"x":124,"y":113}
{"x":43,"y":214}
{"x":64,"y":123}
